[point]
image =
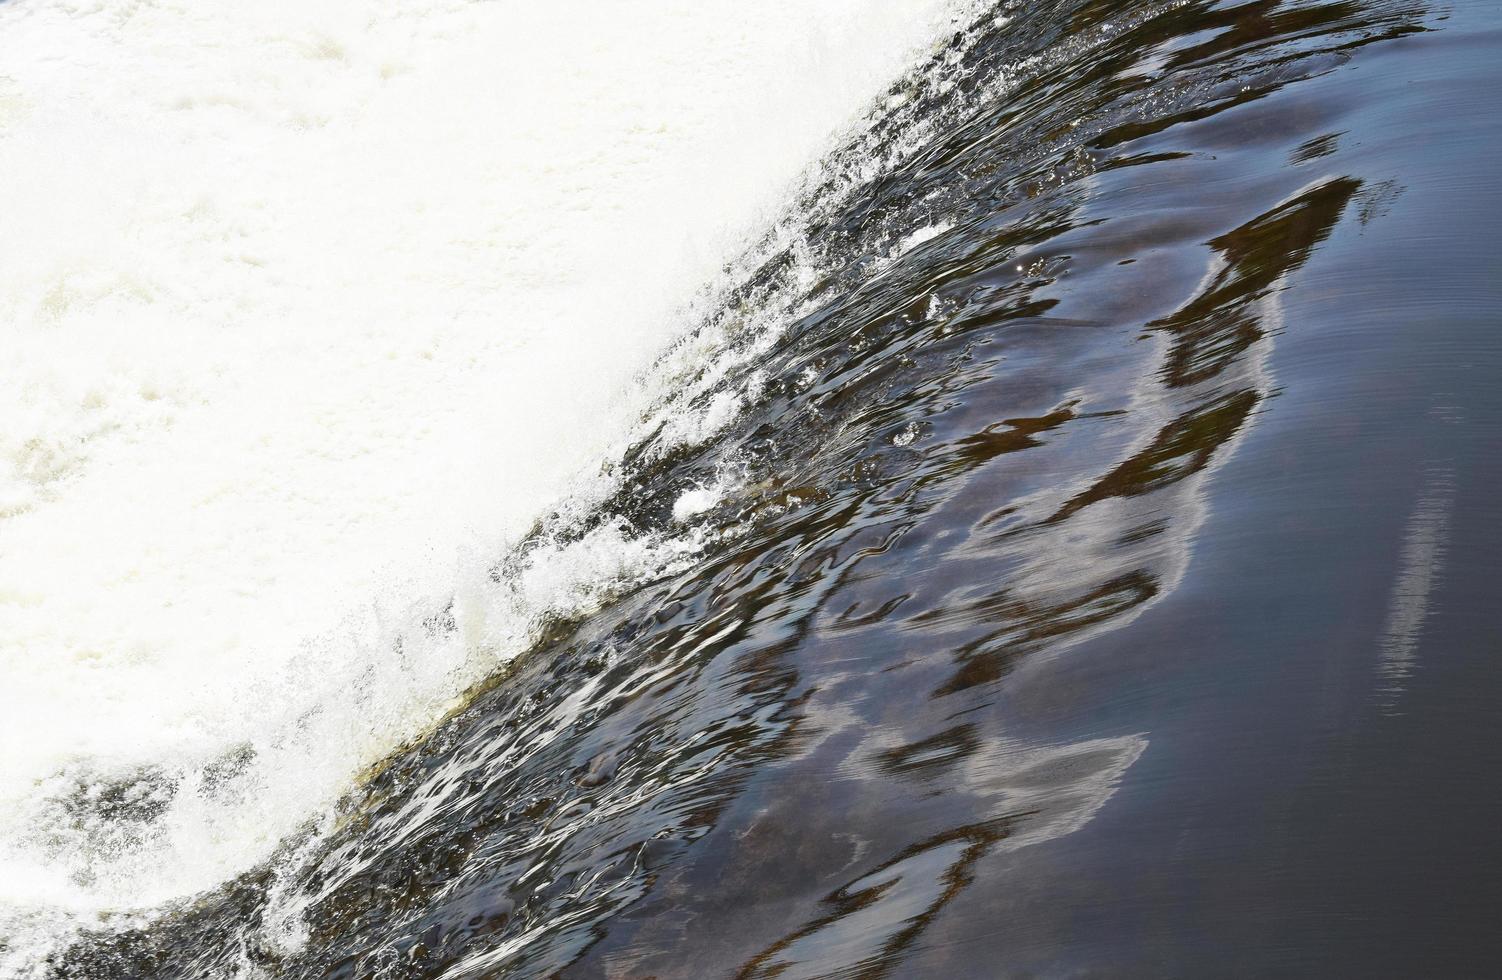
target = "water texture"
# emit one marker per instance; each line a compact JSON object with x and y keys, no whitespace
{"x":1093,"y":562}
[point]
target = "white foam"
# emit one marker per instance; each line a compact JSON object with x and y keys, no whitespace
{"x":308,"y":310}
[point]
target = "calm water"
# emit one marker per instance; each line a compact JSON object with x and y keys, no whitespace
{"x":1110,"y":586}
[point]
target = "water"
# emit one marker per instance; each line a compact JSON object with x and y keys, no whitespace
{"x":1065,"y":546}
{"x":296,"y":321}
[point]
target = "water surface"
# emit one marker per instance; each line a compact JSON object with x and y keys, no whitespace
{"x":1101,"y":573}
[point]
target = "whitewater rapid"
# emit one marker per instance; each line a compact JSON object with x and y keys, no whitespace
{"x":310,"y":311}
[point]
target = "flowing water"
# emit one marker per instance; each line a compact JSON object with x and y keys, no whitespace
{"x":865,"y":489}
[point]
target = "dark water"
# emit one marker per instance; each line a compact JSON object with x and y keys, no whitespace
{"x":1114,"y":589}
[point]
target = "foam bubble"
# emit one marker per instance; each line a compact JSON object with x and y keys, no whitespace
{"x":311,"y":310}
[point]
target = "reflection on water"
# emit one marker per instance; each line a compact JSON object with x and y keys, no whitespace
{"x":1011,"y":370}
{"x":1421,"y":564}
{"x":1035,"y":794}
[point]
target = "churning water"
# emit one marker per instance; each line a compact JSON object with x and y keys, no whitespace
{"x":847,"y":489}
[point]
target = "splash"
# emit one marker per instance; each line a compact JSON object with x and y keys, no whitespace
{"x":312,"y":312}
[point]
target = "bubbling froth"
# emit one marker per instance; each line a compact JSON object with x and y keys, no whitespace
{"x":311,"y":311}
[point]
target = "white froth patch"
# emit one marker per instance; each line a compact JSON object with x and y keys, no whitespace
{"x":922,"y":236}
{"x":309,"y":310}
{"x":693,"y":502}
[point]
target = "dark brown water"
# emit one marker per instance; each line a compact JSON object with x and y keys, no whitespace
{"x":1113,"y":588}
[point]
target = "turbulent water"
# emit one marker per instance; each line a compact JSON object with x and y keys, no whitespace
{"x":853,"y":489}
